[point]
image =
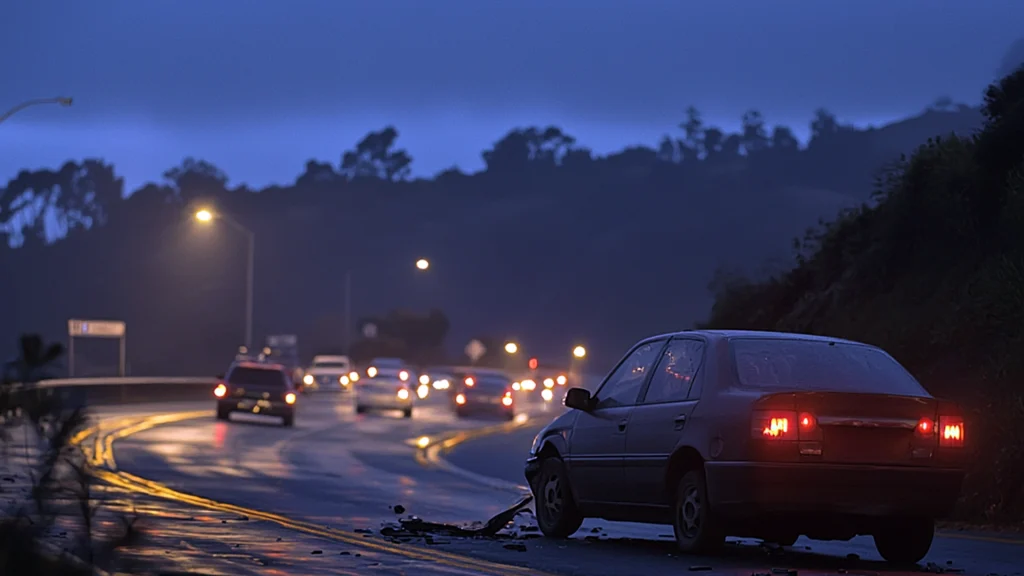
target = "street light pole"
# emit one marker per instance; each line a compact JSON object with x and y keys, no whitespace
{"x":207,"y":215}
{"x":62,"y":100}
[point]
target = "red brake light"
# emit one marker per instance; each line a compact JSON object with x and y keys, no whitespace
{"x":469,"y":381}
{"x":925,"y":427}
{"x":951,"y":432}
{"x":784,"y":425}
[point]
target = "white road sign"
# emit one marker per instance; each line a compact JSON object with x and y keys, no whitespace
{"x":475,"y":349}
{"x":370,"y":330}
{"x":96,"y":328}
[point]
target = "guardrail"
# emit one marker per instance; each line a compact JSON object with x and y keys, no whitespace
{"x":117,"y":390}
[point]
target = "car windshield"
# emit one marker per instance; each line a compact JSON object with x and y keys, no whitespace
{"x":491,"y":384}
{"x":330,"y":364}
{"x":261,"y":377}
{"x":817,"y":365}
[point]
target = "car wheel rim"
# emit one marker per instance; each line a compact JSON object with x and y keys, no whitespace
{"x":553,"y":497}
{"x":689,"y":512}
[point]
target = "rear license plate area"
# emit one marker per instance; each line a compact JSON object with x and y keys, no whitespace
{"x":866,"y":445}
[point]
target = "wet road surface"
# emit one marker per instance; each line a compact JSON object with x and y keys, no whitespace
{"x":336,"y":476}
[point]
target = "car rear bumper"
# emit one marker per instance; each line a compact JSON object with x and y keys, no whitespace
{"x":250,"y":405}
{"x":743,"y":489}
{"x":382,"y":400}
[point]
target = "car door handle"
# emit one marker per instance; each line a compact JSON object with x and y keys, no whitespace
{"x":622,"y":425}
{"x":680,"y":421}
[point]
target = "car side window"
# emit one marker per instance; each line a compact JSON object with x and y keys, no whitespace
{"x":623,"y":386}
{"x":676,"y":370}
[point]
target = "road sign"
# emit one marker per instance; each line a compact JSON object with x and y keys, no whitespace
{"x":370,"y":330}
{"x":282,"y":341}
{"x":96,"y":328}
{"x":475,"y":349}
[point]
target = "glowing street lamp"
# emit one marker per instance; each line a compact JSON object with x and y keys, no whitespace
{"x":511,"y":347}
{"x":206,"y":216}
{"x":579,"y":352}
{"x":423,"y":264}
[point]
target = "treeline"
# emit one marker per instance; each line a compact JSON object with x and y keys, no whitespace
{"x":931,"y":269}
{"x":549,"y":244}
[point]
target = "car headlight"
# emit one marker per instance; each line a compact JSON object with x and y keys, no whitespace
{"x":307,"y":379}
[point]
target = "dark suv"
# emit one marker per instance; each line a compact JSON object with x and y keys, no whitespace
{"x":257,"y":388}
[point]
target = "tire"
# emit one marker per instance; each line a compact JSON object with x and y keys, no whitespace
{"x":557,"y":514}
{"x":360,"y":409}
{"x":288,"y":420}
{"x":407,"y":413}
{"x":223,"y":413}
{"x":510,"y":416}
{"x":905,"y":540}
{"x":697,"y":529}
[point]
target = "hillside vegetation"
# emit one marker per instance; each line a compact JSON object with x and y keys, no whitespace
{"x":932,"y":269}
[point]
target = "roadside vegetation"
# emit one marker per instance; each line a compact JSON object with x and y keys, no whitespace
{"x":932,"y":269}
{"x":48,"y":518}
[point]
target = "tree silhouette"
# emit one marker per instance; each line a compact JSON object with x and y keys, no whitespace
{"x":196,"y":178}
{"x":376,"y":157}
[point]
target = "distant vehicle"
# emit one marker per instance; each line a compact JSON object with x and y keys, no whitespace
{"x":754,"y":434}
{"x":484,"y":394}
{"x":257,"y":388}
{"x":387,"y":364}
{"x":329,"y":373}
{"x":385,"y":388}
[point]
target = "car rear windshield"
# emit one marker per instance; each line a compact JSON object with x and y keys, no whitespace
{"x":820,"y":366}
{"x":259,"y":377}
{"x":331,"y":364}
{"x":492,"y":384}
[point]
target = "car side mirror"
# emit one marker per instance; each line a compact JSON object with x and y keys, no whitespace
{"x":578,"y":399}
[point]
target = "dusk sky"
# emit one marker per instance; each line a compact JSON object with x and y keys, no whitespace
{"x":260,"y":86}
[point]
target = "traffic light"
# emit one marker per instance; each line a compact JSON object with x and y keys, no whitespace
{"x":533,"y":363}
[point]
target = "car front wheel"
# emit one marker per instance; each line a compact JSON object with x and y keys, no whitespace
{"x":905,"y":541}
{"x":407,"y":413}
{"x":696,"y":526}
{"x":557,"y":515}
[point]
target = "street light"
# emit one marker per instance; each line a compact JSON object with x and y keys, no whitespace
{"x":206,"y":215}
{"x":579,"y":352}
{"x":62,"y":100}
{"x":511,"y":347}
{"x":421,"y":264}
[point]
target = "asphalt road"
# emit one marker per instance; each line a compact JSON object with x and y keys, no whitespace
{"x":306,"y":495}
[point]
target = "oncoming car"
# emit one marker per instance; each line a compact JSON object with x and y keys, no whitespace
{"x":329,"y":373}
{"x":257,"y":388}
{"x":754,"y":434}
{"x":385,"y":389}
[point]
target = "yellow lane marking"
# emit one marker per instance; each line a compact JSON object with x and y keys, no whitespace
{"x":137,"y":484}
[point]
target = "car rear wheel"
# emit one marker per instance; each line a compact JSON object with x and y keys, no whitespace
{"x":223,"y":413}
{"x":289,"y":420}
{"x":905,"y":541}
{"x":696,"y":526}
{"x":360,"y":409}
{"x":407,"y":413}
{"x":557,"y":515}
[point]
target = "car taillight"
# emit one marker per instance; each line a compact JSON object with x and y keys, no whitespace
{"x":403,"y":393}
{"x":289,"y":398}
{"x":220,"y":391}
{"x":951,"y":432}
{"x":925,"y":427}
{"x":460,"y":399}
{"x":507,"y":398}
{"x":469,"y":381}
{"x":785,"y":426}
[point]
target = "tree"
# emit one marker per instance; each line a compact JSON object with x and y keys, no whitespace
{"x":783,"y":139}
{"x":376,"y":157}
{"x":196,"y":178}
{"x":754,"y":138}
{"x":824,"y":124}
{"x":524,"y":148}
{"x":693,"y":142}
{"x":316,"y":173}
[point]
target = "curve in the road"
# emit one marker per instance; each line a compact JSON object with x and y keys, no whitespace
{"x":101,"y":454}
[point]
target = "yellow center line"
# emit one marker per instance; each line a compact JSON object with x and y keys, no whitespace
{"x":130,"y":482}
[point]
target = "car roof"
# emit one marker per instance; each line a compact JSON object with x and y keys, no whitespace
{"x":330,"y":358}
{"x":738,"y":334}
{"x":258,"y":365}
